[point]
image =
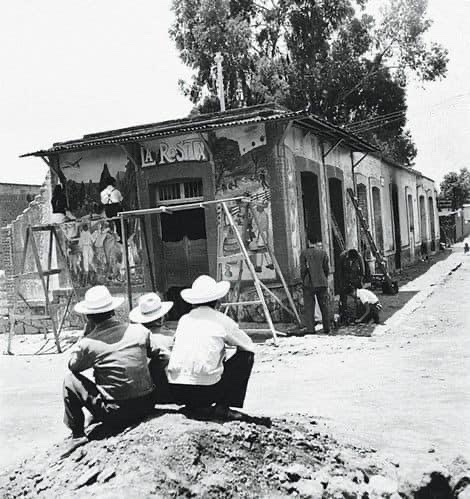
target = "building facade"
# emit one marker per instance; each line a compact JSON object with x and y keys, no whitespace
{"x":294,"y":168}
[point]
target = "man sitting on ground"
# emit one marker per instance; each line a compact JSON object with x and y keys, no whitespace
{"x":370,"y":305}
{"x":149,"y":312}
{"x":200,"y":373}
{"x":122,"y":391}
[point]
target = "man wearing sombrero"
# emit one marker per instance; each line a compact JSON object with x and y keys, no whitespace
{"x":199,"y":371}
{"x":149,"y":312}
{"x":118,"y":353}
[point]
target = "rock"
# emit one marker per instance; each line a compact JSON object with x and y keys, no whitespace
{"x":106,"y":474}
{"x":309,"y":488}
{"x":380,"y":485}
{"x":87,"y":478}
{"x":465,"y":493}
{"x":297,"y":471}
{"x":340,"y":486}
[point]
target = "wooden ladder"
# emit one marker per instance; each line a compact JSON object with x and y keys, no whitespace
{"x":258,"y":284}
{"x":44,"y":276}
{"x":380,"y":261}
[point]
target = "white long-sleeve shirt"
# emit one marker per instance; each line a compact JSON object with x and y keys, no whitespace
{"x":200,"y":345}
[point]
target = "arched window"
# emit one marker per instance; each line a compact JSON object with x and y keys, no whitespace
{"x":378,"y":225}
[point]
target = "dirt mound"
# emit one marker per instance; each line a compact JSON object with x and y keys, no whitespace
{"x":170,"y":455}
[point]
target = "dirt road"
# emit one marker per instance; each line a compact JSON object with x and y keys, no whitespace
{"x":403,"y":391}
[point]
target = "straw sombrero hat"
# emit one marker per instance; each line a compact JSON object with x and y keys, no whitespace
{"x":150,"y":308}
{"x":98,"y":300}
{"x":204,"y":290}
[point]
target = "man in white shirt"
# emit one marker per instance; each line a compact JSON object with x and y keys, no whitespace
{"x":199,"y":371}
{"x":370,"y":305}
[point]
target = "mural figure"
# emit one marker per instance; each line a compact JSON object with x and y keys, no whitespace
{"x":111,"y":199}
{"x":85,"y":243}
{"x":243,"y":175}
{"x":97,"y":189}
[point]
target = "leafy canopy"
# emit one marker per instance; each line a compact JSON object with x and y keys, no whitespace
{"x":330,"y":55}
{"x":456,"y":187}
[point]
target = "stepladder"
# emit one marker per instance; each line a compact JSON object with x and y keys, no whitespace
{"x":249,"y":268}
{"x":36,"y":265}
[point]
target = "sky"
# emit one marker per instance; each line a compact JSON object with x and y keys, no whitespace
{"x":71,"y":67}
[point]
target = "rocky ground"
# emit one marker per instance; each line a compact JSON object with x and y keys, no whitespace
{"x":366,"y":412}
{"x":170,"y":455}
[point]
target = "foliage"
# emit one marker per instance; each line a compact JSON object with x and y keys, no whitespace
{"x":330,"y":55}
{"x":456,"y":187}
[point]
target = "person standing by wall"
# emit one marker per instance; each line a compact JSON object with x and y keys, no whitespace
{"x":59,"y":205}
{"x":314,"y":270}
{"x":111,"y":199}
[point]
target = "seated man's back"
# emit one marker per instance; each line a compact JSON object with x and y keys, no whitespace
{"x":118,"y":354}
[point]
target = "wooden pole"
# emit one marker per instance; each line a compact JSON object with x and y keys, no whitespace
{"x":46,"y":292}
{"x":278,"y":269}
{"x":252,"y":271}
{"x":126,"y":261}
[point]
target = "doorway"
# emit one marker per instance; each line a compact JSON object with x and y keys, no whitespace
{"x":396,"y":225}
{"x":335,"y":187}
{"x":184,"y":243}
{"x":411,"y":226}
{"x":432,"y":223}
{"x":311,"y":206}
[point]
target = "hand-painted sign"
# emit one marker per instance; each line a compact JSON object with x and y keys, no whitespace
{"x":174,"y":151}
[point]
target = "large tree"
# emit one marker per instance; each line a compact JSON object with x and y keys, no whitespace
{"x":456,"y":188}
{"x":329,"y":55}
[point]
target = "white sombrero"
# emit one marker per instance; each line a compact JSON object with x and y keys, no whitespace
{"x":204,"y":290}
{"x":97,"y":300}
{"x":150,"y":308}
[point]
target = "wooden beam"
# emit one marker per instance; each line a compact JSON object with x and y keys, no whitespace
{"x":332,"y":148}
{"x":354,"y":164}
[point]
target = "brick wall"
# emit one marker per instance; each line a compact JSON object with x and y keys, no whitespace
{"x":14,"y":198}
{"x":12,"y":239}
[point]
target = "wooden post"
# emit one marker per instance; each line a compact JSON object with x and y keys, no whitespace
{"x":278,"y":268}
{"x":252,"y":271}
{"x":126,"y":261}
{"x":46,"y":292}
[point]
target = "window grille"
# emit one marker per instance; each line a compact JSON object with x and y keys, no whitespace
{"x":174,"y":192}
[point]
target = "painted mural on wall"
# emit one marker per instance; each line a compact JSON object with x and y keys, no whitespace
{"x":293,"y":211}
{"x":99,"y":184}
{"x":95,"y":253}
{"x":241,"y":169}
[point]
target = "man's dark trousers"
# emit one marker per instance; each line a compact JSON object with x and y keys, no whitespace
{"x":230,"y":391}
{"x":80,"y":392}
{"x":309,"y":306}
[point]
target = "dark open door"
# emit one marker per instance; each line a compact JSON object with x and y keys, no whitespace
{"x":184,"y":253}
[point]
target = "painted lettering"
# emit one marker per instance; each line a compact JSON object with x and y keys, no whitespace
{"x":147,"y":157}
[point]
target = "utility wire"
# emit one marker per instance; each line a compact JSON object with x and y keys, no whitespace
{"x":378,"y":125}
{"x":375,"y":118}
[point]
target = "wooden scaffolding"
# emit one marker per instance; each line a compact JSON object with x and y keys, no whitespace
{"x":50,"y":313}
{"x":259,"y":286}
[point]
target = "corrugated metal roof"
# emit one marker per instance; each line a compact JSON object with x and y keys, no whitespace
{"x":205,"y":123}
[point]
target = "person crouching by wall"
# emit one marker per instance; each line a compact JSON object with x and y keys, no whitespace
{"x":370,"y":305}
{"x":149,"y":312}
{"x":199,"y":371}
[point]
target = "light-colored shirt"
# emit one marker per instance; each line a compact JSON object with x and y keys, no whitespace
{"x":118,"y":354}
{"x":86,"y":239}
{"x":199,"y":347}
{"x":110,"y":195}
{"x":366,"y":296}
